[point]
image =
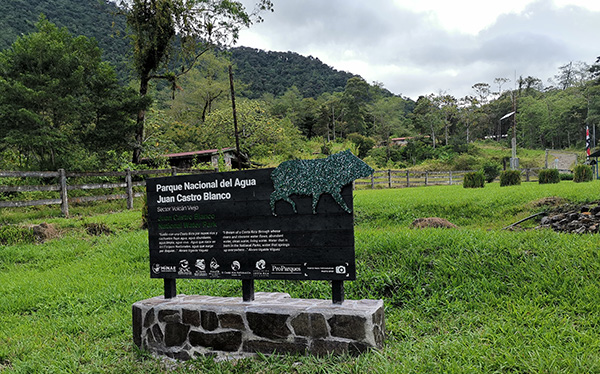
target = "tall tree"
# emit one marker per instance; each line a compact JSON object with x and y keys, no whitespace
{"x":170,"y":35}
{"x":427,"y":116}
{"x":356,"y":97}
{"x":57,"y":97}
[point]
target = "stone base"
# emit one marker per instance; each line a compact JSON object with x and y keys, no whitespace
{"x":186,"y":326}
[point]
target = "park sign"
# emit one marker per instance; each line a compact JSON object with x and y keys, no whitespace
{"x":291,"y":222}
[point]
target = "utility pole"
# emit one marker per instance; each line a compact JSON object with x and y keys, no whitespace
{"x":235,"y":124}
{"x":514,"y":161}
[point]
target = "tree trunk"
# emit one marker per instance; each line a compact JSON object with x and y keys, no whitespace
{"x":446,"y":133}
{"x":141,"y":118}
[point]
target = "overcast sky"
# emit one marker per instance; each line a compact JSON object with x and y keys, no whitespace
{"x":418,"y":47}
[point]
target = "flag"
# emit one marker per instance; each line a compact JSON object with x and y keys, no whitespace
{"x":587,"y":140}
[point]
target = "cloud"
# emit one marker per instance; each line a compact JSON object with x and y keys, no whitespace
{"x":410,"y":51}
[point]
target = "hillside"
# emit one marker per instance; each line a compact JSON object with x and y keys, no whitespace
{"x":275,"y":72}
{"x":264,"y":72}
{"x":91,"y":18}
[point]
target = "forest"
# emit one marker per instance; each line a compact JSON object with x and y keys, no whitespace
{"x":82,"y":87}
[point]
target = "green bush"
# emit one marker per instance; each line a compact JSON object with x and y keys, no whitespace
{"x":566,"y":176}
{"x":491,"y":171}
{"x":474,"y":180}
{"x":582,"y":173}
{"x":549,"y":176}
{"x":510,"y":178}
{"x":364,"y":143}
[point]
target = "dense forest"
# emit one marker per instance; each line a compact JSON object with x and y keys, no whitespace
{"x":67,"y":97}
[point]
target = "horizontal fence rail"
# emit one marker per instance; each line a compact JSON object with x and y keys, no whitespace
{"x":63,"y":187}
{"x":379,"y":179}
{"x":410,"y":178}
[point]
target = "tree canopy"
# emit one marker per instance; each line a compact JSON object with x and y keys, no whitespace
{"x":170,"y":35}
{"x":58,"y":99}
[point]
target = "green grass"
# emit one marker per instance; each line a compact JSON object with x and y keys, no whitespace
{"x":489,"y":207}
{"x":466,"y":300}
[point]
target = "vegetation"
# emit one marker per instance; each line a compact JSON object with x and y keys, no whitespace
{"x":189,"y":83}
{"x":510,"y":178}
{"x":58,"y":100}
{"x":99,"y":20}
{"x":474,"y":180}
{"x":272,"y":73}
{"x":491,"y":170}
{"x":157,"y":25}
{"x":471,"y":299}
{"x":582,"y":173}
{"x":549,"y":176}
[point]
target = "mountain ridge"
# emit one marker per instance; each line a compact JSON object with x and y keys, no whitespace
{"x":265,"y":72}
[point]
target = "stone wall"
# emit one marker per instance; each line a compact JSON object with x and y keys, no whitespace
{"x":186,"y":326}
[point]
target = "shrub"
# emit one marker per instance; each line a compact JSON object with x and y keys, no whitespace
{"x":582,"y":173}
{"x":491,"y":171}
{"x":549,"y":176}
{"x":510,"y":178}
{"x":566,"y":176}
{"x":364,"y":144}
{"x":474,"y":180}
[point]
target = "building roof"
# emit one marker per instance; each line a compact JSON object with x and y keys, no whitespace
{"x":195,"y":153}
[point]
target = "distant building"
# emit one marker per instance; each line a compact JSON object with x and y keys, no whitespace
{"x":402,"y":142}
{"x":186,"y":160}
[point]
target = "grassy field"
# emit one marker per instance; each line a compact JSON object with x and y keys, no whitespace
{"x":475,"y":299}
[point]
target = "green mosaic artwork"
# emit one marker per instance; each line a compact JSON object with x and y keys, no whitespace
{"x":317,"y":177}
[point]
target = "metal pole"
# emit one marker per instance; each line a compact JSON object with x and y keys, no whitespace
{"x":170,"y":288}
{"x":337,"y":291}
{"x":247,"y":290}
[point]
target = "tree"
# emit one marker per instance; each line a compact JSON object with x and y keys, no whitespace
{"x":448,"y":107}
{"x":170,"y":35}
{"x":58,"y":100}
{"x":201,"y":90}
{"x":427,"y":116}
{"x":468,"y":105}
{"x":261,"y":134}
{"x":389,"y":119}
{"x":355,"y":99}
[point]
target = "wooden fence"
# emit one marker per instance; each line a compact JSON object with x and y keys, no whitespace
{"x":408,"y":178}
{"x":63,"y":187}
{"x":136,"y":178}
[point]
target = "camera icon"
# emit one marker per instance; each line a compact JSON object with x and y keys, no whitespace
{"x":341,"y":269}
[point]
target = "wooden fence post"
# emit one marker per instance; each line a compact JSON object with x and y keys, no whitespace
{"x":390,"y":178}
{"x":129,"y":189}
{"x":407,"y":179}
{"x":527,"y":175}
{"x":450,"y":172}
{"x":426,"y":178}
{"x":373,"y":180}
{"x":64,"y":204}
{"x":174,"y":171}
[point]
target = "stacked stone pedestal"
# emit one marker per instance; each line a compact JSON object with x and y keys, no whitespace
{"x":186,"y":326}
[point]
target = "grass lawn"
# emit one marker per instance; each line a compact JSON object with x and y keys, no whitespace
{"x":475,"y":299}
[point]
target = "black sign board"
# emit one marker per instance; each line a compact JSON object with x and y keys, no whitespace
{"x":240,"y":225}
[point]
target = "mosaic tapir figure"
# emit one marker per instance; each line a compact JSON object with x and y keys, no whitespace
{"x":316,"y":177}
